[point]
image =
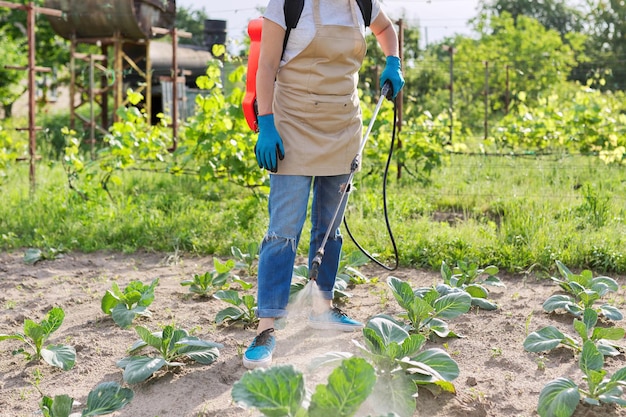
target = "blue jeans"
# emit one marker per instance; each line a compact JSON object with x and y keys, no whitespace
{"x":288,"y":201}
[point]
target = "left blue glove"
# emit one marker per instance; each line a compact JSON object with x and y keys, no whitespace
{"x":269,"y":146}
{"x":393,"y":74}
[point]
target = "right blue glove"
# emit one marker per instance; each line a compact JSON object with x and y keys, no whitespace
{"x":269,"y":145}
{"x":393,"y":74}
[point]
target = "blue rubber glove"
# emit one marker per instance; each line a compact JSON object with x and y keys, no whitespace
{"x":393,"y":74}
{"x":269,"y":145}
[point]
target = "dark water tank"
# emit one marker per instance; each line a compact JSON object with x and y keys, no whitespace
{"x":134,"y":19}
{"x":192,"y":60}
{"x":214,"y":33}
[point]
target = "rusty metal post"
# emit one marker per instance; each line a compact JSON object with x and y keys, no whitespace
{"x":32,"y":69}
{"x":486,"y":121}
{"x":119,"y":75}
{"x":451,"y":51}
{"x":30,"y":28}
{"x":507,"y":92}
{"x":72,"y":82}
{"x":92,"y":115}
{"x":104,"y":88}
{"x":174,"y":88}
{"x":148,"y":78}
{"x":175,"y":33}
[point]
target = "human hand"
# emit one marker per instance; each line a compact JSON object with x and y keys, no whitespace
{"x":393,"y":74}
{"x":269,"y":145}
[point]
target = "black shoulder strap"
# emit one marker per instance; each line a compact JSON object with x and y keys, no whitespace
{"x":366,"y":10}
{"x":293,"y":11}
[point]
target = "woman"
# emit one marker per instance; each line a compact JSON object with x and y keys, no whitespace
{"x":310,"y":129}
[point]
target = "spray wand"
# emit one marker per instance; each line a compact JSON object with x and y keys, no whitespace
{"x":386,"y":92}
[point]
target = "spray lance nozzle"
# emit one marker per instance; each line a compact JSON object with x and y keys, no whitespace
{"x":387,"y":90}
{"x":315,"y":264}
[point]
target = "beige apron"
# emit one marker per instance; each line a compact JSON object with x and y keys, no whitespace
{"x":316,"y":103}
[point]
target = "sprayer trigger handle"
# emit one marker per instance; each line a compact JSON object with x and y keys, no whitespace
{"x":387,"y":90}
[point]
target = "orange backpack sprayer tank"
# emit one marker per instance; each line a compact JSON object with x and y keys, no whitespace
{"x":249,"y":104}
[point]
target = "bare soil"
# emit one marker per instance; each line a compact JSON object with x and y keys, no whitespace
{"x":498,"y":378}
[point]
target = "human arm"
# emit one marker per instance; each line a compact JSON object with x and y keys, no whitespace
{"x":269,"y":146}
{"x":385,"y":33}
{"x":272,"y":36}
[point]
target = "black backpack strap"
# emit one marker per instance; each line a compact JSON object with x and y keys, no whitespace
{"x":293,"y":10}
{"x":366,"y":10}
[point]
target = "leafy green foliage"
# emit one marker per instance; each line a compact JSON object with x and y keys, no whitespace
{"x":105,"y":398}
{"x":558,"y":15}
{"x":246,"y":259}
{"x":35,"y":336}
{"x":280,"y":390}
{"x":583,"y":290}
{"x":217,"y":139}
{"x":301,"y":273}
{"x":10,"y":149}
{"x":525,"y":46}
{"x":242,"y":309}
{"x":550,"y":125}
{"x":550,"y":337}
{"x":13,"y":54}
{"x":173,"y":345}
{"x":34,"y":255}
{"x":59,"y":406}
{"x":560,"y":397}
{"x":467,"y":276}
{"x":349,"y":262}
{"x":347,"y":274}
{"x":208,"y":283}
{"x":401,"y":366}
{"x":425,"y":308}
{"x":124,"y":306}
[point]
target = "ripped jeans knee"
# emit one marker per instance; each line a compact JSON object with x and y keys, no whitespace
{"x":273,"y":237}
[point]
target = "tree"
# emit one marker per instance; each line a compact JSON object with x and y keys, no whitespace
{"x":191,"y":21}
{"x":533,"y":59}
{"x":553,"y":14}
{"x":50,"y":51}
{"x":11,"y":80}
{"x":607,"y":42}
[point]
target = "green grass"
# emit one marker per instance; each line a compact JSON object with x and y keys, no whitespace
{"x":516,"y":213}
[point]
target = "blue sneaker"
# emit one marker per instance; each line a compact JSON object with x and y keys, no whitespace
{"x":334,"y":319}
{"x":259,"y":353}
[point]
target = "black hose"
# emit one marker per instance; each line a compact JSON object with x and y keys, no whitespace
{"x":387,"y":223}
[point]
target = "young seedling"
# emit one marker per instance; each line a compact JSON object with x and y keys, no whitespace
{"x":347,"y":275}
{"x":34,"y":255}
{"x":560,"y":397}
{"x":469,"y":278}
{"x":550,"y":337}
{"x":208,"y":283}
{"x":124,"y":306}
{"x":245,"y":260}
{"x":301,"y":275}
{"x":583,"y":290}
{"x":173,"y":346}
{"x":242,"y":309}
{"x":281,"y":391}
{"x":348,"y":265}
{"x":106,"y":398}
{"x":35,"y":336}
{"x":425,"y":308}
{"x":401,"y":366}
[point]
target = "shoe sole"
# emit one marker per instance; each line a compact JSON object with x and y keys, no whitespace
{"x":250,"y":364}
{"x":333,"y":326}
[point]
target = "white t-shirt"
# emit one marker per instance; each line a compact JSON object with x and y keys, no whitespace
{"x":332,"y":12}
